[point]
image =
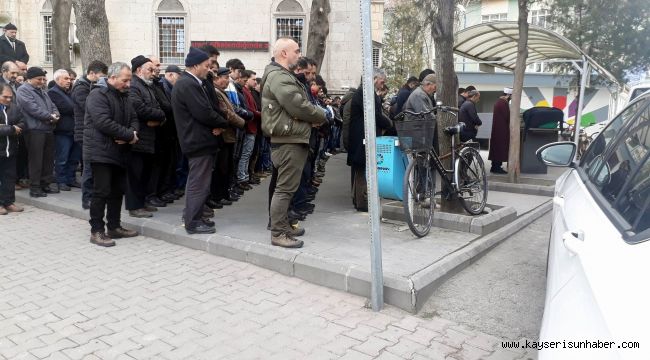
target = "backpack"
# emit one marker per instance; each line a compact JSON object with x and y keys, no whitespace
{"x":346,"y":111}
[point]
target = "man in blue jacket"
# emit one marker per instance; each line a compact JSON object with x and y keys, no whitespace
{"x":68,"y":152}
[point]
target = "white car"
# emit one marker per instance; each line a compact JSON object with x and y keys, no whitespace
{"x":598,"y":275}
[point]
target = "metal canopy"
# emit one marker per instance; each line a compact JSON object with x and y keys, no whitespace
{"x":496,"y":43}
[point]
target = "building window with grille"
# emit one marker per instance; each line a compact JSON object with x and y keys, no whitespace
{"x":540,"y":18}
{"x":376,"y":57}
{"x":171,"y":30}
{"x":494,"y":17}
{"x":290,"y":21}
{"x":47,"y":37}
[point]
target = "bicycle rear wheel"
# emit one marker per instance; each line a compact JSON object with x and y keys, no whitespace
{"x":418,"y":191}
{"x":471,"y":181}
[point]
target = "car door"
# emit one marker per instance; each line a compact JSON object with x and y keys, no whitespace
{"x":594,"y":272}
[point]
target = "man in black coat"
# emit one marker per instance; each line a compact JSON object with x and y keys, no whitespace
{"x":96,"y":70}
{"x":150,"y":116}
{"x":12,"y":49}
{"x":67,"y":152}
{"x":10,"y":127}
{"x":110,"y":128}
{"x":199,"y":124}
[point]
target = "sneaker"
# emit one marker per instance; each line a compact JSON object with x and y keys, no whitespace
{"x":286,"y":241}
{"x":14,"y":208}
{"x":64,"y":187}
{"x":200,"y":228}
{"x":208,"y":222}
{"x":140,"y":213}
{"x":99,"y":238}
{"x":121,"y":232}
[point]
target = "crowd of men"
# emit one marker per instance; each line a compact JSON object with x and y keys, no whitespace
{"x":151,"y":139}
{"x":206,"y":133}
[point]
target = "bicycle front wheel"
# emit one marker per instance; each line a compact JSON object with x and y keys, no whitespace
{"x":418,"y":191}
{"x":471,"y":181}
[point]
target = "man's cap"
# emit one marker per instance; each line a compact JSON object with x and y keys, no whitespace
{"x":35,"y":71}
{"x":173,"y":69}
{"x":424,"y":73}
{"x":223,"y":71}
{"x":507,"y":91}
{"x":10,"y":26}
{"x":195,"y":56}
{"x":138,"y":61}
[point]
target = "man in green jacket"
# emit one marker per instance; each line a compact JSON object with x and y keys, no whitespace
{"x":287,"y":118}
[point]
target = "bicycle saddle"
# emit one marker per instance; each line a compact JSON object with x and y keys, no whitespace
{"x":453,"y":130}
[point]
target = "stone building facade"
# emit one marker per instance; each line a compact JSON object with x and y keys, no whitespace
{"x":244,"y":29}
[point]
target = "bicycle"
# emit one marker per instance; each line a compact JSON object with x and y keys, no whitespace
{"x":466,"y":179}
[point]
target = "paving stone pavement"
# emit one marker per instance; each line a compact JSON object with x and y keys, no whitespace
{"x":64,"y":298}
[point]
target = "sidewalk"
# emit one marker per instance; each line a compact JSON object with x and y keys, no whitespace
{"x":64,"y":298}
{"x":337,"y":248}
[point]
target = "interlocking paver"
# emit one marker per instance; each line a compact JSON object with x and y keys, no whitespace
{"x":65,"y":298}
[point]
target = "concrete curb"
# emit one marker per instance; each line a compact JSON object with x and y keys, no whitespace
{"x":408,"y":293}
{"x":528,"y":189}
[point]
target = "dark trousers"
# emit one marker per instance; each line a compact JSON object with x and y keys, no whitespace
{"x":496,"y":165}
{"x":182,"y":168}
{"x":300,"y":197}
{"x":22,"y":160}
{"x":198,"y":188}
{"x":138,"y":173}
{"x":68,"y":154}
{"x":224,"y":171}
{"x":7,"y":180}
{"x":86,"y":182}
{"x":40,"y":146}
{"x":108,"y":189}
{"x":168,"y":160}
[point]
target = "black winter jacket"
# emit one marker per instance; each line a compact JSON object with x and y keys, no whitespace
{"x":8,"y":136}
{"x":147,"y":108}
{"x":7,"y":52}
{"x":63,"y":102}
{"x":168,"y":129}
{"x":79,"y":94}
{"x":196,"y":114}
{"x":109,"y":117}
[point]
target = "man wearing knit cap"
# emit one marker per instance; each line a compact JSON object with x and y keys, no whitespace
{"x":12,"y":49}
{"x":500,"y":137}
{"x":199,"y":124}
{"x":150,"y":116}
{"x":40,"y":115}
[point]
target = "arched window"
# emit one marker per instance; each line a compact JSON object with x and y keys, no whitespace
{"x":290,"y":21}
{"x":170,"y":28}
{"x":46,"y":18}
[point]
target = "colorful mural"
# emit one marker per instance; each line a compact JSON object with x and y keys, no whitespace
{"x":596,"y":108}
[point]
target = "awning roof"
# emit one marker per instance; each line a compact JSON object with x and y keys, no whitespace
{"x":496,"y":42}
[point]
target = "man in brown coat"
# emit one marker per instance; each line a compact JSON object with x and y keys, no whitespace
{"x":500,"y":138}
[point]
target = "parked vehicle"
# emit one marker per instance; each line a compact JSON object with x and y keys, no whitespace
{"x":597,"y":293}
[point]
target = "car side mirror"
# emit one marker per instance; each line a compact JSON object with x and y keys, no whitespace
{"x":557,"y":154}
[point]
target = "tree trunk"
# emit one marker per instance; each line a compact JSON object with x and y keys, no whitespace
{"x":442,"y":31}
{"x":517,"y":89}
{"x":92,"y":31}
{"x":61,"y":10}
{"x":319,"y":29}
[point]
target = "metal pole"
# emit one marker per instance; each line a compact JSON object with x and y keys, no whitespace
{"x":376,"y":273}
{"x":586,"y":72}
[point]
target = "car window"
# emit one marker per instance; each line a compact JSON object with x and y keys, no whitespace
{"x":599,"y":145}
{"x":623,"y":175}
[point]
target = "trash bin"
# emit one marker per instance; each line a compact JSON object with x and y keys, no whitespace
{"x":541,"y":126}
{"x":391,"y":164}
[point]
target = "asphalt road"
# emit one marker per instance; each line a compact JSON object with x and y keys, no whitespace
{"x":502,"y":293}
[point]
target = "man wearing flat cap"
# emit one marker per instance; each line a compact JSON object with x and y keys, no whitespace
{"x":40,"y":115}
{"x":12,"y":49}
{"x":199,"y":123}
{"x":500,"y":137}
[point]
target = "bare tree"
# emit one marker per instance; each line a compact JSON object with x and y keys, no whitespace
{"x":515,"y":106}
{"x":319,"y":29}
{"x":61,"y":10}
{"x":92,"y":31}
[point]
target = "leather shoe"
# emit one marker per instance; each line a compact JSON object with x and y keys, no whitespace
{"x":200,"y":228}
{"x":244,"y":186}
{"x":14,"y":208}
{"x":208,"y":222}
{"x":213,"y":204}
{"x":51,"y":189}
{"x":179,"y":192}
{"x":225,"y":202}
{"x":3,"y":211}
{"x":121,"y":232}
{"x":99,"y":238}
{"x":310,"y":197}
{"x":151,"y":208}
{"x":37,"y":193}
{"x":168,"y":198}
{"x":154,"y":201}
{"x":140,"y":213}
